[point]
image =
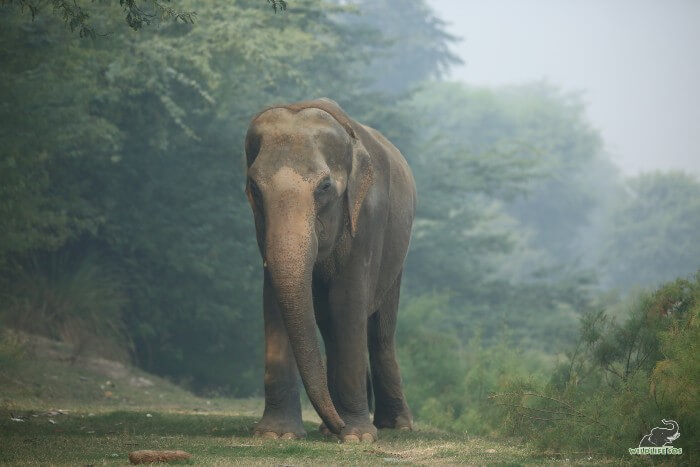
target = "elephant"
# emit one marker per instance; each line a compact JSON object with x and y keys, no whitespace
{"x":333,"y":203}
{"x":661,"y":436}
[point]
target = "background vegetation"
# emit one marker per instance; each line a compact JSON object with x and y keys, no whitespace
{"x":124,"y":224}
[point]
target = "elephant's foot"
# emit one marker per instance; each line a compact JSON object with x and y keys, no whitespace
{"x":274,"y":427}
{"x":358,"y":430}
{"x":353,"y":433}
{"x":401,"y":420}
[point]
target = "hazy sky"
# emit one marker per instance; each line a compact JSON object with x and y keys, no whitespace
{"x":636,"y":61}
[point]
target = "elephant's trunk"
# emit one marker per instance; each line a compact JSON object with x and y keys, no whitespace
{"x":290,"y":250}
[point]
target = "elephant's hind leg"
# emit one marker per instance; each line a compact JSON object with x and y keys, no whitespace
{"x":391,"y":410}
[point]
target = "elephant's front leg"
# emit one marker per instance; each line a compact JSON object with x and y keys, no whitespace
{"x":282,"y":416}
{"x":348,"y":307}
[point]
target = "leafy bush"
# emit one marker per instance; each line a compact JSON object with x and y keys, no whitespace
{"x":448,"y":383}
{"x":620,"y":380}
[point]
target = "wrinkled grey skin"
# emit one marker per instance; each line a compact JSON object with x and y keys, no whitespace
{"x":661,"y":436}
{"x":333,"y":202}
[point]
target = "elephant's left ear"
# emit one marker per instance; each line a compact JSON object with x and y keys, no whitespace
{"x":359,"y":183}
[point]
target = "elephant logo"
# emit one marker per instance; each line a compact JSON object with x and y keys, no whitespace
{"x":661,"y":436}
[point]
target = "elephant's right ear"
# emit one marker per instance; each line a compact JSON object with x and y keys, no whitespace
{"x":359,"y":182}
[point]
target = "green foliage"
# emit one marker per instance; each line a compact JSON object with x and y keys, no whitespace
{"x":620,"y":380}
{"x":653,"y":235}
{"x":675,"y":379}
{"x":536,"y":152}
{"x":136,"y":14}
{"x":447,"y":381}
{"x":480,"y":151}
{"x":416,"y":43}
{"x":49,"y":137}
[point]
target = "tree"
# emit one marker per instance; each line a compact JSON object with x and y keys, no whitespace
{"x":416,"y":43}
{"x":136,"y":14}
{"x":652,"y":231}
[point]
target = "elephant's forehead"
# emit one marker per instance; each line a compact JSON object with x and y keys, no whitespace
{"x":287,"y":179}
{"x":310,"y":146}
{"x":298,"y":155}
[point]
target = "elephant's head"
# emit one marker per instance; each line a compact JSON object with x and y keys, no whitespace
{"x":308,"y":175}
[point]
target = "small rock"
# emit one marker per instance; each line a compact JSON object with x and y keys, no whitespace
{"x":149,"y":415}
{"x":141,"y":382}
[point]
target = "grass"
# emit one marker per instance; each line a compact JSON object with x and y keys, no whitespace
{"x":94,"y":411}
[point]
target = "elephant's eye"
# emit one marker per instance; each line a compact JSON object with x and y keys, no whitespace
{"x":324,"y":186}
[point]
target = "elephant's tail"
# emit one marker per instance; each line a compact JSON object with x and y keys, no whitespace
{"x":370,"y":392}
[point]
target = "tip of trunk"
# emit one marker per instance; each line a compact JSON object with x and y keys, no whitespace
{"x":332,"y":420}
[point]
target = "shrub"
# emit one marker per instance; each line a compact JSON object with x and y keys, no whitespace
{"x":448,"y":383}
{"x":76,"y":301}
{"x":620,"y":380}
